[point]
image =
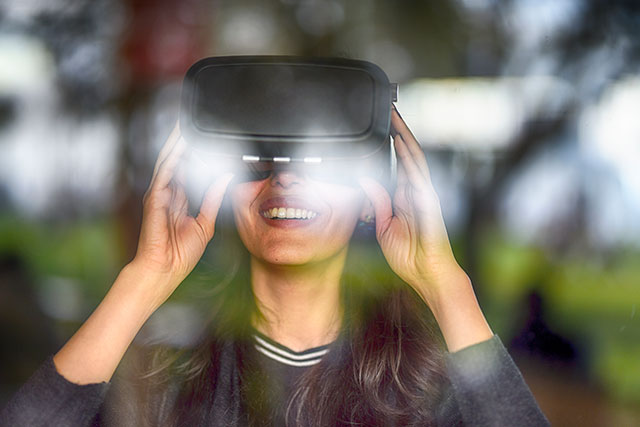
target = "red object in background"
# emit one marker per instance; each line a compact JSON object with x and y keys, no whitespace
{"x":163,"y":38}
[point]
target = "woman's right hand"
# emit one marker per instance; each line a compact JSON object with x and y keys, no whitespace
{"x":171,"y":241}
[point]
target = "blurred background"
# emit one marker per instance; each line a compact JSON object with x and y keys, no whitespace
{"x":527,"y":109}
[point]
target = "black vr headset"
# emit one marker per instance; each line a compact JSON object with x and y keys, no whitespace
{"x":330,"y":117}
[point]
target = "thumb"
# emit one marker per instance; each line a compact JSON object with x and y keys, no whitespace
{"x":381,"y":202}
{"x":211,"y":204}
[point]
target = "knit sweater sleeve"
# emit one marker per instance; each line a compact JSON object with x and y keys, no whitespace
{"x":47,"y":399}
{"x":489,"y":389}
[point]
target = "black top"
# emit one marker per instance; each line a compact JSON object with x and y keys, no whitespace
{"x":486,"y":390}
{"x":283,"y":367}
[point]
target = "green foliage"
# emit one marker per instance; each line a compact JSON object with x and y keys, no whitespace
{"x":509,"y":271}
{"x":615,"y":364}
{"x":87,"y":253}
{"x":599,"y":303}
{"x":588,"y":299}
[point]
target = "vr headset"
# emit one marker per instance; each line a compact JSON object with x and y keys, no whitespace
{"x":328,"y":117}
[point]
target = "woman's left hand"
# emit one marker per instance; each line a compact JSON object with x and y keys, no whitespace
{"x":411,"y":232}
{"x":413,"y":237}
{"x":411,"y":229}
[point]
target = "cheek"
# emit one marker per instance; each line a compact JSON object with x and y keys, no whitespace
{"x":346,"y":206}
{"x":242,"y":197}
{"x":343,"y":199}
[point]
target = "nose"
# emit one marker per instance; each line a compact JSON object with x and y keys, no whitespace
{"x":286,"y":178}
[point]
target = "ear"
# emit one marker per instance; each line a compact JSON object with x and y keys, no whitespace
{"x":367,"y":214}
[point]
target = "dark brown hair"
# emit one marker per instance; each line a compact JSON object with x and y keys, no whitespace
{"x":385,"y":368}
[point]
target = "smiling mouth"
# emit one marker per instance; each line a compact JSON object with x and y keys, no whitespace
{"x":288,"y":213}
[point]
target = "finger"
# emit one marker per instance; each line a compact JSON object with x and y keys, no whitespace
{"x":180,"y":173}
{"x":167,"y":167}
{"x":420,"y":163}
{"x":179,"y":201}
{"x":211,"y":204}
{"x":401,"y":176}
{"x":401,"y":187}
{"x":415,"y":176}
{"x":401,"y":128}
{"x":172,"y":140}
{"x":381,"y":202}
{"x":179,"y":204}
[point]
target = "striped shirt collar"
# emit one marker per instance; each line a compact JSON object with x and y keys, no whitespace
{"x":285,"y":355}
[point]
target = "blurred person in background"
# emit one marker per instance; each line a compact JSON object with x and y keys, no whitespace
{"x":308,"y":338}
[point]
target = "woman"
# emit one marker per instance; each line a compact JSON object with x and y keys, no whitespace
{"x":300,"y":345}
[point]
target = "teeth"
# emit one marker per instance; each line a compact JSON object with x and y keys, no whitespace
{"x":289,"y":213}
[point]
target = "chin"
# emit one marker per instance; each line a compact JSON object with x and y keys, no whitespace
{"x":297,"y":254}
{"x":290,"y":257}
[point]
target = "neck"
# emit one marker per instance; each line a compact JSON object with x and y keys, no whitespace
{"x":299,"y":305}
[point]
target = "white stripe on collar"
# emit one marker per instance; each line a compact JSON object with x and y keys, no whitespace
{"x":288,"y":354}
{"x":277,"y":358}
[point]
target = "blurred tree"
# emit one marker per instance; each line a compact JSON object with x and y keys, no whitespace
{"x":597,"y":46}
{"x":82,"y":37}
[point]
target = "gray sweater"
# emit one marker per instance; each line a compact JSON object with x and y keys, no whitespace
{"x":487,"y":389}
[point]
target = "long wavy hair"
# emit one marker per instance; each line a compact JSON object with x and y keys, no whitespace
{"x":385,"y":368}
